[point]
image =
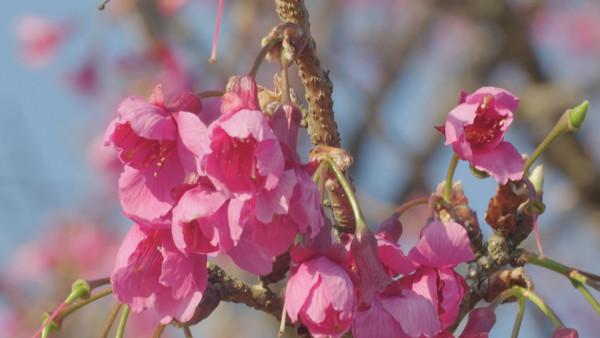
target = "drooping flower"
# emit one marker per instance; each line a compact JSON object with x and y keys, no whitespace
{"x":476,"y":128}
{"x":151,"y":272}
{"x":396,"y":312}
{"x":305,"y":212}
{"x":392,"y":258}
{"x":441,"y":248}
{"x":320,"y":292}
{"x":272,"y":197}
{"x":157,"y":143}
{"x":386,"y":308}
{"x":243,"y":155}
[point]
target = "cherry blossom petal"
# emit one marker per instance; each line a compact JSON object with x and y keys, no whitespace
{"x":442,"y":246}
{"x":502,"y":162}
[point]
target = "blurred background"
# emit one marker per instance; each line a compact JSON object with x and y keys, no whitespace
{"x":397,"y":68}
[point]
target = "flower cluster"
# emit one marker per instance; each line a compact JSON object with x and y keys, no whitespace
{"x":235,"y":186}
{"x":331,"y":289}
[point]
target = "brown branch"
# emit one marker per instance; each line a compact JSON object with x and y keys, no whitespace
{"x":253,"y":295}
{"x":320,"y":122}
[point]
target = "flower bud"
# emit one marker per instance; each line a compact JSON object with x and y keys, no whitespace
{"x":79,"y":289}
{"x":372,"y":275}
{"x":480,"y":322}
{"x":565,"y":332}
{"x":577,"y":115}
{"x":537,"y":179}
{"x":391,"y":227}
{"x":478,"y":173}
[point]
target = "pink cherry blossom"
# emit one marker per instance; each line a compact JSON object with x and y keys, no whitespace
{"x":40,"y":39}
{"x":272,"y":197}
{"x":243,"y":155}
{"x":441,"y":248}
{"x":250,"y":256}
{"x":476,"y":127}
{"x":320,"y":292}
{"x":158,"y":144}
{"x":397,"y":312}
{"x":276,"y":229}
{"x":392,"y":258}
{"x":151,"y":272}
{"x":366,"y":266}
{"x":200,"y":222}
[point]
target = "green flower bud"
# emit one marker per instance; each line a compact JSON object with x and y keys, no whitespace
{"x":537,"y":179}
{"x":79,"y":289}
{"x":577,"y":115}
{"x":478,"y":173}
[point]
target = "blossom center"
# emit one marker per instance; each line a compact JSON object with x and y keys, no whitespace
{"x":485,"y":129}
{"x":149,"y":257}
{"x":237,"y":160}
{"x":140,"y":152}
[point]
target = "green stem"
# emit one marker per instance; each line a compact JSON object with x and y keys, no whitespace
{"x":520,"y":314}
{"x":210,"y":93}
{"x":123,"y":321}
{"x":504,"y":295}
{"x":358,"y":216}
{"x":588,"y":296}
{"x":542,"y":305}
{"x":449,"y":176}
{"x":261,"y":56}
{"x":70,"y":309}
{"x":410,"y":204}
{"x":285,"y":85}
{"x":573,"y":274}
{"x":320,"y":177}
{"x":559,"y":128}
{"x":111,"y":320}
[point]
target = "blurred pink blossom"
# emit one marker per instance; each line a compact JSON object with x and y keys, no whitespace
{"x":575,"y":28}
{"x":170,"y":7}
{"x":40,"y":39}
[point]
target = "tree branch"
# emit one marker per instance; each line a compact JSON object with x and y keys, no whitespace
{"x":253,"y":295}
